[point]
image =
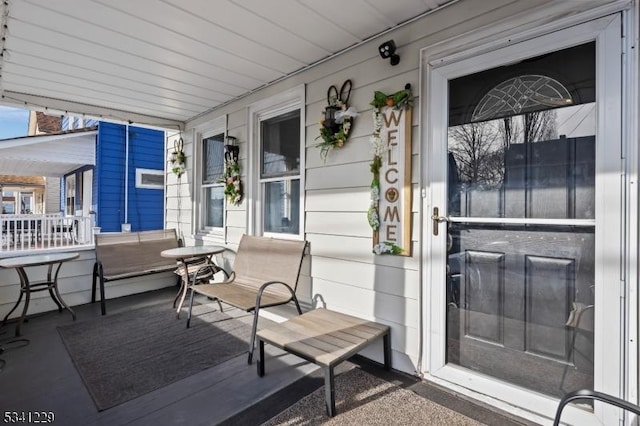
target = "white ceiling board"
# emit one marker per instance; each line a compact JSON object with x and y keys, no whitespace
{"x":303,"y":22}
{"x":109,"y":72}
{"x":51,"y":88}
{"x":399,"y":10}
{"x":114,"y":82}
{"x":251,"y":26}
{"x":202,"y":37}
{"x":47,"y":155}
{"x":90,"y":40}
{"x":57,"y":105}
{"x":37,"y":168}
{"x":81,"y":85}
{"x":168,"y":61}
{"x":137,"y":35}
{"x":373,"y":21}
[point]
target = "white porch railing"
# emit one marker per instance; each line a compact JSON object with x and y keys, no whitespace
{"x":21,"y":232}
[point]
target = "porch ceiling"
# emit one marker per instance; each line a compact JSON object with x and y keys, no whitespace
{"x":163,"y":62}
{"x":47,"y":155}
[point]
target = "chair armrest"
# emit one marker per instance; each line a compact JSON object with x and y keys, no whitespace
{"x":597,"y":396}
{"x":264,"y":286}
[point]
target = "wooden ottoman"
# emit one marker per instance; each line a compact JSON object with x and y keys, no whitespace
{"x":325,"y":338}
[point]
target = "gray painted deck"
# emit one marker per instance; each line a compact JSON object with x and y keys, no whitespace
{"x":42,"y":377}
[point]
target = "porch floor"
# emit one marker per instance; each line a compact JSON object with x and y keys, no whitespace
{"x":42,"y":377}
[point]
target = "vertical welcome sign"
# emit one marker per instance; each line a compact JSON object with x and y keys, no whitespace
{"x":394,"y":208}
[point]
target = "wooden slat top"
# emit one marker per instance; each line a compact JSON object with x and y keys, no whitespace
{"x":323,"y":336}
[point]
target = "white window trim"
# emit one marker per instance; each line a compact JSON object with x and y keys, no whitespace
{"x":285,"y":101}
{"x":140,"y":172}
{"x":211,"y":128}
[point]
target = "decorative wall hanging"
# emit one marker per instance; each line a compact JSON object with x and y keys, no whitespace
{"x":389,"y":213}
{"x":231,"y":177}
{"x":337,"y":119}
{"x":178,"y":158}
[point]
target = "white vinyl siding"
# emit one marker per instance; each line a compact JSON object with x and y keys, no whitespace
{"x":336,"y":190}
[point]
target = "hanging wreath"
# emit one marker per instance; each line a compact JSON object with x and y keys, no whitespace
{"x":379,"y":146}
{"x":178,"y":158}
{"x":337,"y":120}
{"x":232,"y":182}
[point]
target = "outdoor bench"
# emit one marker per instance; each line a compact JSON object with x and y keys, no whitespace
{"x":325,"y":338}
{"x":122,"y":255}
{"x":265,"y":274}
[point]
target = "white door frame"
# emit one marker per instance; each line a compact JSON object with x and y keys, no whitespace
{"x":436,"y":70}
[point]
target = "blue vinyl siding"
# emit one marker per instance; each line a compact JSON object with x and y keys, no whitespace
{"x":146,"y":150}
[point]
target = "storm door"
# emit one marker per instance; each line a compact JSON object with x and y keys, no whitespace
{"x":530,"y":178}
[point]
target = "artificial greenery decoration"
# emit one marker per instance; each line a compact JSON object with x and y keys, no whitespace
{"x":232,"y":182}
{"x":178,"y":158}
{"x":372,"y":213}
{"x":387,"y":248}
{"x":337,"y":119}
{"x":399,"y":100}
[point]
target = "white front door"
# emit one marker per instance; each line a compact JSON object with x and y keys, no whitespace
{"x":525,"y":219}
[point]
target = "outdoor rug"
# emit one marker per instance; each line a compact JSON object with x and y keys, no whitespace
{"x":126,"y":355}
{"x":363,"y":399}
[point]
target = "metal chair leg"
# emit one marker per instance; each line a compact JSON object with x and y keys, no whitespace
{"x":330,"y":391}
{"x":190,"y":308}
{"x":253,"y":334}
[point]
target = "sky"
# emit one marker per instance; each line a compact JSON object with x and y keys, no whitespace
{"x":13,"y":122}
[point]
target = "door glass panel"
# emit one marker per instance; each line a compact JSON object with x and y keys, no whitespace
{"x":521,"y":199}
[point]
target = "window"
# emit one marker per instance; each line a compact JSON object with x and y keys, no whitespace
{"x":149,"y":179}
{"x":8,"y":207}
{"x":26,"y":201}
{"x":280,"y":173}
{"x":276,"y":202}
{"x":8,"y":202}
{"x":70,"y":195}
{"x":212,"y":187}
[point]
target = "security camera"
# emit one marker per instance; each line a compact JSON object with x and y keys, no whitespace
{"x":388,"y":51}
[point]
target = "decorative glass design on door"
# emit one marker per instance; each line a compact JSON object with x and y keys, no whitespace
{"x":521,"y":224}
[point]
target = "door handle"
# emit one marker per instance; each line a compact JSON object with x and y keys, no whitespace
{"x":436,"y":218}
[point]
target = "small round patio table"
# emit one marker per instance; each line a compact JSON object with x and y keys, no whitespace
{"x":27,"y":287}
{"x":198,"y":256}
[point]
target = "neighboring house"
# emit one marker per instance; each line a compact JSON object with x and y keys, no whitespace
{"x":32,"y":194}
{"x":41,"y":123}
{"x":114,"y":171}
{"x":125,"y":188}
{"x":129,"y":178}
{"x":22,"y":194}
